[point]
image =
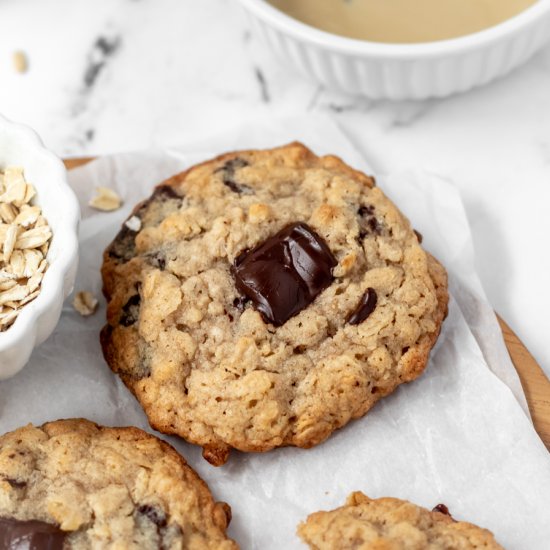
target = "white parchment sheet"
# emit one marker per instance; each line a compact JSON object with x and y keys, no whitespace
{"x":458,"y":435}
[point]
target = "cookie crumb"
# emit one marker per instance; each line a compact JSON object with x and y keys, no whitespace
{"x":106,"y":200}
{"x":20,"y":61}
{"x":85,"y":303}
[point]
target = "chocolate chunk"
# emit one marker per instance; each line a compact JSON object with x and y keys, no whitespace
{"x":418,"y":236}
{"x":123,"y":246}
{"x":228,"y":178}
{"x":158,"y":517}
{"x":284,"y":274}
{"x":30,"y":535}
{"x":365,"y":308}
{"x":442,"y":509}
{"x":130,"y":311}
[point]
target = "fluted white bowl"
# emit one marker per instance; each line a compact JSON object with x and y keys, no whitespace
{"x":403,"y":71}
{"x":20,"y":146}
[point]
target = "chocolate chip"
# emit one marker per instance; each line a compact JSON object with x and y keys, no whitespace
{"x":374,"y":226}
{"x":166,"y":192}
{"x":368,"y":222}
{"x":284,"y":274}
{"x":365,"y":308}
{"x":418,"y":236}
{"x":240,"y":302}
{"x":154,"y":514}
{"x":442,"y":509}
{"x":16,"y":484}
{"x":228,"y":178}
{"x":130,"y":311}
{"x":365,"y":211}
{"x":30,"y":535}
{"x":156,"y":259}
{"x":234,"y":164}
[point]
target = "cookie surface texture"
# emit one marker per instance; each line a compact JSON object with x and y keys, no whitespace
{"x":267,"y":298}
{"x":74,"y":484}
{"x":391,"y":524}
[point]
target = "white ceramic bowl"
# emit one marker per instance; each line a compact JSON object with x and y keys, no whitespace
{"x":20,"y":146}
{"x":403,"y":71}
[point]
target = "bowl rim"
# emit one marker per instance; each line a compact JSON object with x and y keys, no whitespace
{"x":355,"y":47}
{"x":26,"y":323}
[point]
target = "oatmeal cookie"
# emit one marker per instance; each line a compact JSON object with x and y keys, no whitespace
{"x":74,"y":484}
{"x":391,"y":524}
{"x":266,"y":298}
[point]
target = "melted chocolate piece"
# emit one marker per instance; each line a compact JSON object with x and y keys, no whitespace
{"x":30,"y":535}
{"x":442,"y":509}
{"x":229,"y":169}
{"x":153,"y":514}
{"x":365,"y":308}
{"x":130,"y":311}
{"x":418,"y":236}
{"x":286,"y":273}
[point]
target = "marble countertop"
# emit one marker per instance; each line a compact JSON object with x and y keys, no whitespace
{"x":116,"y":75}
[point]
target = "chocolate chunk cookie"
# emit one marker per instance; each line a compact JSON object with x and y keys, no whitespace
{"x":267,"y":298}
{"x":74,"y":484}
{"x":393,"y":524}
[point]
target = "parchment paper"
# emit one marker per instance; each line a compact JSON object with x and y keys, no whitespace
{"x":459,"y":435}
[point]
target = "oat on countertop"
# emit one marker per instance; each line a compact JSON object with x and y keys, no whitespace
{"x":20,"y":61}
{"x":106,"y":200}
{"x":85,"y":303}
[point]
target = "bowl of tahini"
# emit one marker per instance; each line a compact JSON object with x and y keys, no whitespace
{"x":400,"y":49}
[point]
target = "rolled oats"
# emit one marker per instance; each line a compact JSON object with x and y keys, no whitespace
{"x":85,"y":303}
{"x":20,"y":61}
{"x":24,"y":241}
{"x":33,"y":238}
{"x":106,"y":200}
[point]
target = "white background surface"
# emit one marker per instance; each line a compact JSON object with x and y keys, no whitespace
{"x":185,"y":68}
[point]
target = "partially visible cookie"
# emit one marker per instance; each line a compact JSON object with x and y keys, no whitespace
{"x":391,"y":524}
{"x":266,"y":298}
{"x":74,"y":484}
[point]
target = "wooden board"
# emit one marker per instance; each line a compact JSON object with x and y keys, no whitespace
{"x":535,"y":383}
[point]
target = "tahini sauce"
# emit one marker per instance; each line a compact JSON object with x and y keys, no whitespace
{"x":402,"y":21}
